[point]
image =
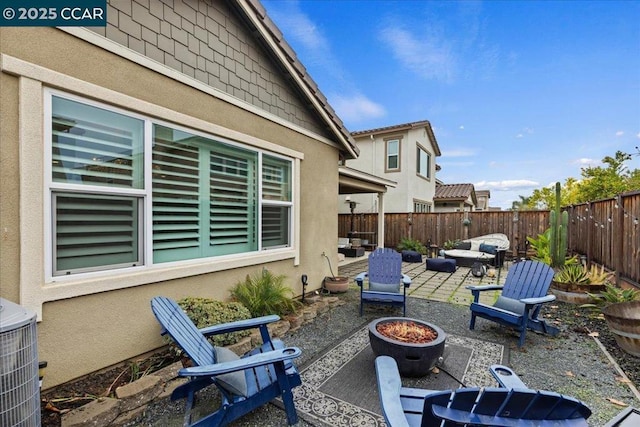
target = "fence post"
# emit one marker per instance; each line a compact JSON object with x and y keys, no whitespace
{"x":619,"y":232}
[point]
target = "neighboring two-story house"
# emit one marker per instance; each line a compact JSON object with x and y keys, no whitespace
{"x":405,"y":154}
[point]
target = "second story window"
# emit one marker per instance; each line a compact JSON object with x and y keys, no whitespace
{"x":423,"y":167}
{"x":393,"y":155}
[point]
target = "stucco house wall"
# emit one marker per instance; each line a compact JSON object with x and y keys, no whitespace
{"x":411,"y":187}
{"x":231,"y":90}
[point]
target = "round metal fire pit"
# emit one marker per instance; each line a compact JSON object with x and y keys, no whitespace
{"x":414,"y":360}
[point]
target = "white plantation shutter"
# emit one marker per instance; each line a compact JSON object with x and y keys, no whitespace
{"x":94,"y":231}
{"x":276,"y":201}
{"x":176,"y":197}
{"x":233,"y":184}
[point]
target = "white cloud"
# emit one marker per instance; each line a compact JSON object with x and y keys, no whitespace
{"x":459,"y":152}
{"x":430,"y":57}
{"x":506,"y":185}
{"x":525,"y":131}
{"x":356,"y":108}
{"x":461,"y":127}
{"x":619,"y":133}
{"x":586,"y":161}
{"x":638,"y":135}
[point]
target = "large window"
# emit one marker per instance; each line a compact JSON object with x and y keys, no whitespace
{"x":124,"y":187}
{"x":423,"y":167}
{"x":393,"y":155}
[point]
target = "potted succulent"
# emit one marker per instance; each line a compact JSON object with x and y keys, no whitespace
{"x":573,"y":283}
{"x":621,"y":310}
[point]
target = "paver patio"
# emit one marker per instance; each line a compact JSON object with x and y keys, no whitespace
{"x":433,"y":285}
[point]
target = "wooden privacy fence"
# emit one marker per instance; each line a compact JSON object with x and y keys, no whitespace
{"x":606,"y":232}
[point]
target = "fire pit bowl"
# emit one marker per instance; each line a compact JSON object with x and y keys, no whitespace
{"x":413,"y":359}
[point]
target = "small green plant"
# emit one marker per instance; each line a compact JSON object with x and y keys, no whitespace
{"x":612,"y":295}
{"x":450,"y":244}
{"x":574,"y":273}
{"x":408,"y":244}
{"x":542,"y":248}
{"x":205,"y":312}
{"x":265,"y":293}
{"x":598,"y":275}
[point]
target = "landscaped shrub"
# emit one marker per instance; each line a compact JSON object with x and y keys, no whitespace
{"x":207,"y":312}
{"x":408,"y":244}
{"x":265,"y":293}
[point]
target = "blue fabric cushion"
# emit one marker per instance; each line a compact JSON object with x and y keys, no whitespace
{"x":488,"y":249}
{"x":444,"y":265}
{"x":234,"y":382}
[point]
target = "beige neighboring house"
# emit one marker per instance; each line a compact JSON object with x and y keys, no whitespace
{"x":455,"y":198}
{"x":404,"y":154}
{"x":483,"y":196}
{"x":172,"y":152}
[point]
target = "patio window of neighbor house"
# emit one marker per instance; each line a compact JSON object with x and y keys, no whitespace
{"x":393,"y":154}
{"x":423,"y":166}
{"x":124,"y":185}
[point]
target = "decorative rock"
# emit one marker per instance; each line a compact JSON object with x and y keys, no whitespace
{"x":321,"y":306}
{"x":333,"y":301}
{"x":99,"y":413}
{"x":168,"y":372}
{"x":309,"y":314}
{"x":279,"y":328}
{"x":313,"y":299}
{"x":295,"y":321}
{"x":138,"y":393}
{"x":126,"y":417}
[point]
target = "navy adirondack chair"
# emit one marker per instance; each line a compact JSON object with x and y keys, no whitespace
{"x":244,"y":383}
{"x":524,"y":292}
{"x":387,"y":285}
{"x":513,"y":404}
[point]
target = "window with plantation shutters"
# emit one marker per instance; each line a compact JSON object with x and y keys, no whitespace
{"x":93,"y":148}
{"x":276,"y":201}
{"x":233,"y":204}
{"x":129,"y":191}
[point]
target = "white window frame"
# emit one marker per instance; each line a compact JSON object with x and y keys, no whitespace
{"x":37,"y":285}
{"x":387,"y":155}
{"x":419,"y":150}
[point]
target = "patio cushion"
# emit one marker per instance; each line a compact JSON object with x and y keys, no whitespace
{"x":439,"y":264}
{"x":488,"y":249}
{"x":463,"y":245}
{"x":411,"y":256}
{"x":234,"y":382}
{"x":384,"y":287}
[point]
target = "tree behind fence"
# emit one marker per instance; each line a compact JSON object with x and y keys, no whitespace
{"x":606,"y":232}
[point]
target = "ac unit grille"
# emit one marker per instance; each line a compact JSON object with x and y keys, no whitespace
{"x":19,"y":385}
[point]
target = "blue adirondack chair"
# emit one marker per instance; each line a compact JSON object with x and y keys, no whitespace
{"x":385,"y":280}
{"x":524,"y":292}
{"x":513,"y":404}
{"x":244,"y":383}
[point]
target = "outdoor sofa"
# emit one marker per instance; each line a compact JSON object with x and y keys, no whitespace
{"x":482,"y":248}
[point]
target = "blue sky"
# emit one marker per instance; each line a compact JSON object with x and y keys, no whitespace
{"x":520,"y":93}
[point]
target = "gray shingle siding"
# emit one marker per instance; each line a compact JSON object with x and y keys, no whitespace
{"x":205,"y":40}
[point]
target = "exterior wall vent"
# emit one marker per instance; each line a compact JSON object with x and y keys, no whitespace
{"x":19,"y":382}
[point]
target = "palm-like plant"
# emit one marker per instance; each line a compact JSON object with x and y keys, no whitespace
{"x":265,"y":293}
